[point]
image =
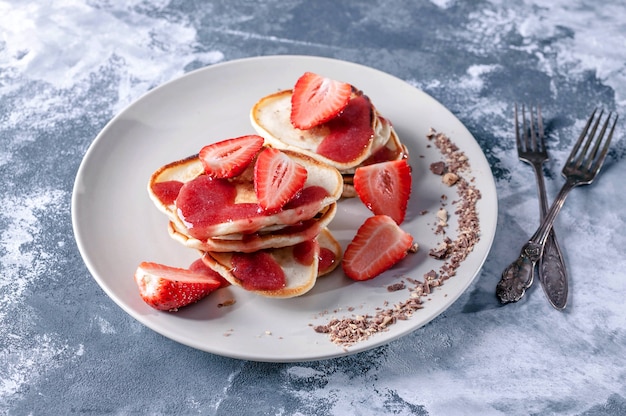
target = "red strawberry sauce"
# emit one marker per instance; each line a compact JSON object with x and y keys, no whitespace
{"x":167,"y":191}
{"x":350,"y":132}
{"x":205,"y":202}
{"x":258,"y":271}
{"x":327,"y":259}
{"x":305,"y":252}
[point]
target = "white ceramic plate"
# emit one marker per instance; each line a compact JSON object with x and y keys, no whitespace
{"x":116,"y":226}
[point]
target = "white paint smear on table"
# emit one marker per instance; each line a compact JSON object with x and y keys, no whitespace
{"x":21,"y":266}
{"x":158,"y":52}
{"x":587,"y":49}
{"x":65,"y":62}
{"x":444,"y":4}
{"x":25,"y":263}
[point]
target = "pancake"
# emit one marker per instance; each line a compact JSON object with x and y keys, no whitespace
{"x":273,"y":237}
{"x":298,"y":265}
{"x":242,"y":215}
{"x":270,"y":117}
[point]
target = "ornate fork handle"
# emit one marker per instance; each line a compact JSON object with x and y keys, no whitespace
{"x":518,"y":276}
{"x":553,"y":274}
{"x":552,"y":270}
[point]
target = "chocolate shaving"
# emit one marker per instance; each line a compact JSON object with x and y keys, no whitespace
{"x":396,"y":286}
{"x":350,"y":330}
{"x":438,"y":168}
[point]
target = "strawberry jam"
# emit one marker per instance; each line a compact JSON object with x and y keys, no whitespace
{"x":383,"y":155}
{"x":167,"y":191}
{"x":204,"y":202}
{"x":350,"y":132}
{"x":326,"y":259}
{"x":258,"y":271}
{"x":304,"y":252}
{"x":307,"y":196}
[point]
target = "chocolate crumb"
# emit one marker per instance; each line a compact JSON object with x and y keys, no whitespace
{"x":430,"y":275}
{"x":228,"y":302}
{"x":438,"y":168}
{"x":396,"y":286}
{"x":322,"y":329}
{"x":441,"y":251}
{"x":349,"y":330}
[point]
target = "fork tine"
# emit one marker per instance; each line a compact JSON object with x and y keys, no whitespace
{"x":517,"y":136}
{"x":525,"y":129}
{"x":540,"y":128}
{"x":583,"y":134}
{"x":598,"y":141}
{"x":533,"y":137}
{"x":592,"y":136}
{"x":600,"y":160}
{"x":577,"y":162}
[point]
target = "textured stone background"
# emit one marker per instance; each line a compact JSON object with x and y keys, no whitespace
{"x":67,"y":67}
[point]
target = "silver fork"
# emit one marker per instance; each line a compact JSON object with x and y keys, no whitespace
{"x":531,"y":149}
{"x":581,"y":168}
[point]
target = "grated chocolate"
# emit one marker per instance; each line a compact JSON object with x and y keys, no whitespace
{"x":347,"y":331}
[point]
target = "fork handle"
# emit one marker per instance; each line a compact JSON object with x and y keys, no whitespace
{"x":553,"y":274}
{"x":518,"y":276}
{"x":551,"y":268}
{"x":541,"y":235}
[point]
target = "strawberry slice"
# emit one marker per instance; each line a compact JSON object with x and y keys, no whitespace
{"x":228,"y":158}
{"x":385,"y":188}
{"x":168,"y":288}
{"x":378,"y":245}
{"x":277,"y":179}
{"x":317,"y":99}
{"x":198,"y":266}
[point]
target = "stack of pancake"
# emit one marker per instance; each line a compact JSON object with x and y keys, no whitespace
{"x":240,"y":228}
{"x":234,"y":239}
{"x":358,"y":136}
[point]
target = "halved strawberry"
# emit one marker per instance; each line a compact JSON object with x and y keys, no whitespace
{"x":277,"y":179}
{"x":385,"y":187}
{"x":228,"y":158}
{"x":198,"y":266}
{"x":168,"y":288}
{"x":378,"y":245}
{"x":317,"y":99}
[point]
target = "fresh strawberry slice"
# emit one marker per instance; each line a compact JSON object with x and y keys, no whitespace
{"x":385,"y":188}
{"x":277,"y":179}
{"x":228,"y":158}
{"x":317,"y":99}
{"x":168,"y":288}
{"x":198,"y":266}
{"x":378,"y":245}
